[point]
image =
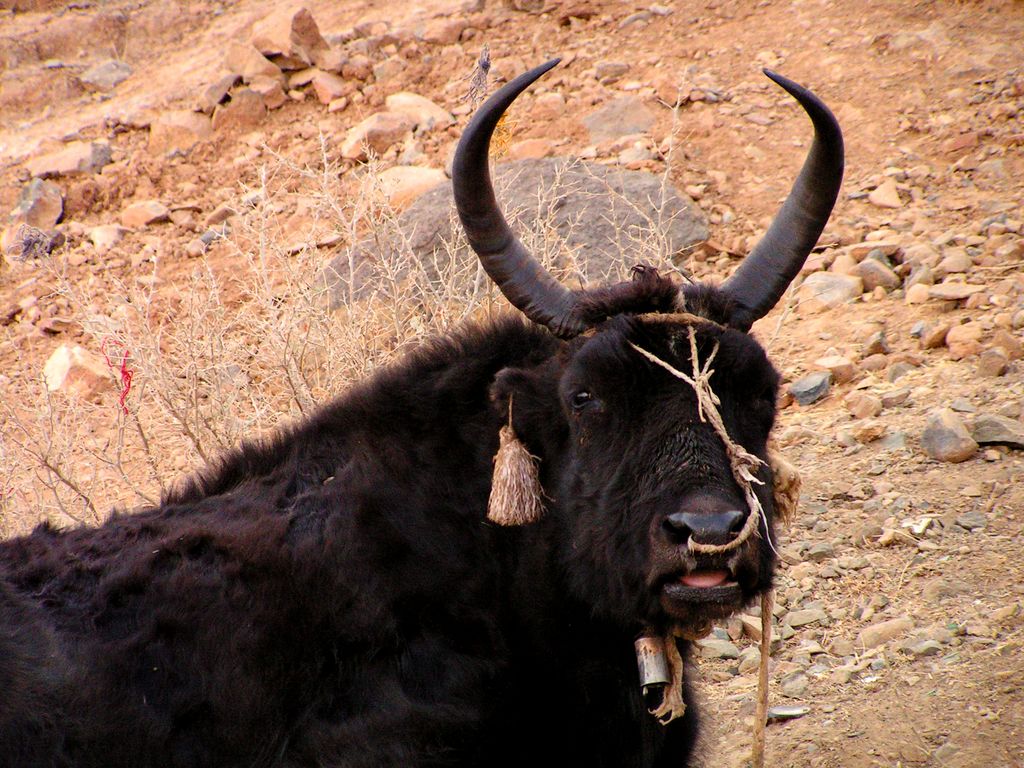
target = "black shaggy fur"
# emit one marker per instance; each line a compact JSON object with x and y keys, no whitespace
{"x":336,"y":597}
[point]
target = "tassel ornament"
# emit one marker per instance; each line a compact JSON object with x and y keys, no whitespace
{"x":516,"y":493}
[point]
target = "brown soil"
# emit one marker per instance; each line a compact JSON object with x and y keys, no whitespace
{"x":928,"y":94}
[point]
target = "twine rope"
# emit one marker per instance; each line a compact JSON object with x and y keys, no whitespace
{"x":742,"y":463}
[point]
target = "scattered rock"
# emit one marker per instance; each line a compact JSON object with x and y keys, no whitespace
{"x":443,"y":31}
{"x":802,"y":618}
{"x":971,"y":520}
{"x":105,"y":76}
{"x":886,"y":195}
{"x":963,"y":340}
{"x":74,"y":370}
{"x":329,"y":86}
{"x":404,"y":183}
{"x":376,"y":133}
{"x":216,"y":93}
{"x":270,"y":90}
{"x":40,"y":205}
{"x":881,"y":633}
{"x":827,"y":290}
{"x":794,"y":685}
{"x":144,"y":212}
{"x":874,"y":274}
{"x":945,"y":437}
{"x":76,"y":157}
{"x":291,"y":32}
{"x":934,"y":336}
{"x":917,"y":294}
{"x":178,"y":131}
{"x":106,"y":236}
{"x":868,"y":430}
{"x":619,"y":117}
{"x":531,"y":149}
{"x":993,"y":429}
{"x":841,"y":368}
{"x":245,"y":111}
{"x":954,"y":291}
{"x":425,"y":114}
{"x":863,"y":405}
{"x":244,"y":60}
{"x":876,"y":344}
{"x":993,"y":363}
{"x":717,"y":648}
{"x":811,"y":388}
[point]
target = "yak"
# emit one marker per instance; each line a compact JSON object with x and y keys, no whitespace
{"x":338,"y":596}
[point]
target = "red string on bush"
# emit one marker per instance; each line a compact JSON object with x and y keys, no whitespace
{"x":122,"y":368}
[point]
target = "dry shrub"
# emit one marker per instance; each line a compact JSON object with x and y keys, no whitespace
{"x":248,"y":341}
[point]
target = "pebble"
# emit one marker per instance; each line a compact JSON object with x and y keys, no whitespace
{"x":619,"y":117}
{"x":244,"y":60}
{"x":953,"y":291}
{"x":934,"y":336}
{"x":881,"y":633}
{"x":105,"y":76}
{"x":143,"y":213}
{"x":841,"y":368}
{"x":874,"y":274}
{"x":886,"y":195}
{"x":40,"y":205}
{"x":963,"y":340}
{"x":177,"y":131}
{"x":717,"y":648}
{"x":993,"y":429}
{"x":805,"y":617}
{"x":826,"y":290}
{"x":971,"y":520}
{"x":945,"y":438}
{"x":811,"y":388}
{"x":916,"y":294}
{"x":876,"y":345}
{"x":377,"y":133}
{"x":75,"y":157}
{"x":993,"y":363}
{"x":425,"y":114}
{"x":244,"y":111}
{"x":76,"y":370}
{"x":794,"y":685}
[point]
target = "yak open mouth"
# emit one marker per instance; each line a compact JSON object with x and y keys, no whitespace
{"x":706,"y":588}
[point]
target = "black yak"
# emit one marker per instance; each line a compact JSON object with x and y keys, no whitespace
{"x":337,"y":596}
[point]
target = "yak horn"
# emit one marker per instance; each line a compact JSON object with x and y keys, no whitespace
{"x":759,"y":282}
{"x":510,"y":265}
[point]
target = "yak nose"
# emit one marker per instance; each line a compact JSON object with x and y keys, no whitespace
{"x":717,"y":527}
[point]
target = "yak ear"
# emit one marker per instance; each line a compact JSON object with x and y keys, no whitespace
{"x":531,"y":396}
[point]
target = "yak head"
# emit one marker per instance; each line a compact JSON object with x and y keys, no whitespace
{"x":651,"y":421}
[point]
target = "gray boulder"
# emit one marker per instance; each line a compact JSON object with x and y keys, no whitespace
{"x":592,"y":216}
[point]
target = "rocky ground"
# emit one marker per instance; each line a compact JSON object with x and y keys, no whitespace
{"x":135,"y":143}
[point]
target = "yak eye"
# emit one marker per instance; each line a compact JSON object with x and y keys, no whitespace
{"x":581,"y":399}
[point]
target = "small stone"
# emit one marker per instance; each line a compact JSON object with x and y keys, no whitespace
{"x":329,"y":86}
{"x":144,"y":212}
{"x":874,"y":274}
{"x":803,"y":618}
{"x":956,"y":261}
{"x":270,"y":90}
{"x":992,"y":363}
{"x":917,"y":294}
{"x":954,"y":291}
{"x":75,"y":370}
{"x":357,"y":68}
{"x":244,"y":60}
{"x":895,"y":397}
{"x":899,"y":370}
{"x":875,"y":362}
{"x":214,"y":94}
{"x":993,"y":429}
{"x":811,"y":388}
{"x":876,"y":345}
{"x":425,"y":114}
{"x":444,"y":31}
{"x":963,"y":340}
{"x":826,"y":290}
{"x":377,"y":132}
{"x":717,"y":648}
{"x":404,"y":183}
{"x":881,"y":633}
{"x":245,"y":111}
{"x":794,"y":685}
{"x":40,"y":205}
{"x":868,"y":430}
{"x":1008,"y":344}
{"x":105,"y":76}
{"x":820,"y":552}
{"x":76,"y":157}
{"x":106,"y":236}
{"x":945,"y":438}
{"x":178,"y":131}
{"x":935,"y":336}
{"x":886,"y":195}
{"x":863,"y":405}
{"x":288,"y":31}
{"x":388,"y":69}
{"x":971,"y":520}
{"x":841,"y":368}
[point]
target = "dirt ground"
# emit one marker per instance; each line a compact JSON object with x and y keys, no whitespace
{"x":930,"y":96}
